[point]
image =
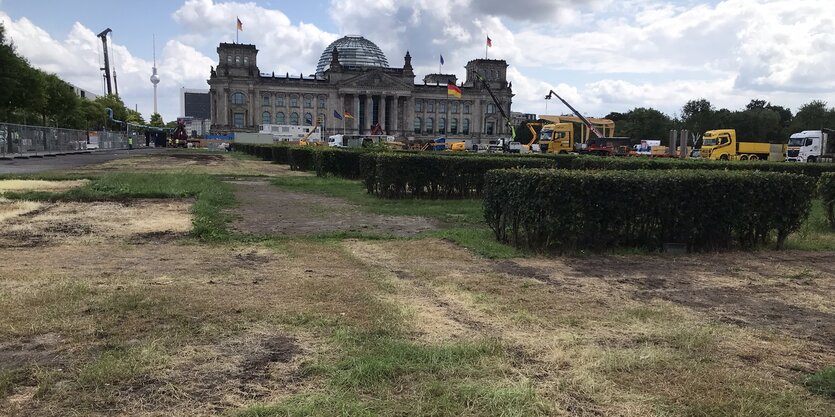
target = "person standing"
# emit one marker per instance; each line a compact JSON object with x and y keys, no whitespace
{"x":130,"y":142}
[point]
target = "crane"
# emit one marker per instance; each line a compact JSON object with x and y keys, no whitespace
{"x":106,"y":68}
{"x":507,"y":119}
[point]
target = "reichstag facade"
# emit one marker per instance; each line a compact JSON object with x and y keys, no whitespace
{"x":353,"y":76}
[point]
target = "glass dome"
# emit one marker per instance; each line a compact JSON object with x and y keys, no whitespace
{"x":353,"y":50}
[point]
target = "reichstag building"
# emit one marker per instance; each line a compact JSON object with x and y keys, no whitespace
{"x":354,"y":77}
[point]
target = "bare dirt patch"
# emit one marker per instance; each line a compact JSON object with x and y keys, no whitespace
{"x":37,"y":350}
{"x":40,"y":185}
{"x":268,"y":210}
{"x":194,"y":162}
{"x":54,"y":223}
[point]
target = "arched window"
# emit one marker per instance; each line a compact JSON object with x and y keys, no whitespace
{"x":454,"y":107}
{"x":238,"y":98}
{"x":466,"y":108}
{"x":430,"y":106}
{"x":265,"y":118}
{"x":237,"y":60}
{"x":246,"y":60}
{"x":294,"y":101}
{"x":308,"y":119}
{"x":430,"y":124}
{"x":279,"y":118}
{"x":441,"y":125}
{"x":294,"y":118}
{"x":266,"y":100}
{"x":229,"y":59}
{"x":308,"y":101}
{"x":418,"y":122}
{"x":279,"y":100}
{"x":465,"y":127}
{"x":453,"y":125}
{"x":442,"y":106}
{"x":418,"y":105}
{"x":322,"y":102}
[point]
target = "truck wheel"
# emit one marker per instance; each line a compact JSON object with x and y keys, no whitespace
{"x":754,"y":158}
{"x":743,"y":158}
{"x":811,"y":160}
{"x":723,"y":157}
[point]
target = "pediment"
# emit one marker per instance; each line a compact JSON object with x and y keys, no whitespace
{"x":375,"y":80}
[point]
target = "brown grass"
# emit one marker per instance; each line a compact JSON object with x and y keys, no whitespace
{"x":193,"y":162}
{"x":39,"y":185}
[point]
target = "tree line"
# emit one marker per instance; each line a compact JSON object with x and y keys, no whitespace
{"x":31,"y":96}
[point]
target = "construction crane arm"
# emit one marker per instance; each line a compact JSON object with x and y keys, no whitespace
{"x":576,"y":113}
{"x":507,"y":119}
{"x":312,"y":130}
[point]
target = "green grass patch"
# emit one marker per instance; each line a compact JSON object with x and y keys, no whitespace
{"x":119,"y":365}
{"x":10,"y":379}
{"x":814,"y":234}
{"x":822,"y":382}
{"x":211,"y":196}
{"x":479,"y":239}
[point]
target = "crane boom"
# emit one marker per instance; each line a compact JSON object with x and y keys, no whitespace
{"x":507,"y":119}
{"x":106,"y":69}
{"x":576,"y":113}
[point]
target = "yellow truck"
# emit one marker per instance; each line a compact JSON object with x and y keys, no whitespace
{"x":722,"y":145}
{"x":559,"y":138}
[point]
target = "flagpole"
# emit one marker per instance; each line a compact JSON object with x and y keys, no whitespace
{"x":237,"y":32}
{"x":485,"y":48}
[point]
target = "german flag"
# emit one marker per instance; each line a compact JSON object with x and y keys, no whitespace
{"x":453,"y":90}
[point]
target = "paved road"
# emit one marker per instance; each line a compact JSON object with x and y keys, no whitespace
{"x":31,"y":165}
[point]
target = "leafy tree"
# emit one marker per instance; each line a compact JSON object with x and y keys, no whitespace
{"x":813,"y":115}
{"x":642,"y":123}
{"x":120,"y":112}
{"x":156,"y":120}
{"x":135,"y":117}
{"x":698,"y":116}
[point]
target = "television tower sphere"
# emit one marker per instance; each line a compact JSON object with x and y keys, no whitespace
{"x":155,"y":77}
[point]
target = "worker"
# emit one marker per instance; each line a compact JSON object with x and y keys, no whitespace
{"x":130,"y":142}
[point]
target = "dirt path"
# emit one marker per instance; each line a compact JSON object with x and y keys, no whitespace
{"x":268,"y":210}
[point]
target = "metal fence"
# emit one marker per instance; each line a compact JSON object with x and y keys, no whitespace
{"x":22,"y":139}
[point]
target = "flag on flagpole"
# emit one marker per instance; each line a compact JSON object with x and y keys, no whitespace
{"x":489,"y":42}
{"x":453,"y":90}
{"x":348,"y":115}
{"x":240,"y":25}
{"x":337,"y":115}
{"x":442,"y":60}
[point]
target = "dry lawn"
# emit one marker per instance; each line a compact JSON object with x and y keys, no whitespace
{"x":196,"y":162}
{"x":39,"y":185}
{"x":108,"y":309}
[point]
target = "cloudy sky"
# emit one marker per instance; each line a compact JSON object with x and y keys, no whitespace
{"x":600,"y":55}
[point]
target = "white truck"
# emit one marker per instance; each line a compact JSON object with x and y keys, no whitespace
{"x":811,"y":146}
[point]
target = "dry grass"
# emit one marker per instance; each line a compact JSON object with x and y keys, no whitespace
{"x":12,"y":208}
{"x":40,"y":185}
{"x":194,"y":162}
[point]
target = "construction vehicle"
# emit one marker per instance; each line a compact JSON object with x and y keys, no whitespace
{"x":812,"y":146}
{"x":307,"y":139}
{"x":557,"y":138}
{"x":532,"y":146}
{"x":601,"y":143}
{"x":442,"y":144}
{"x":506,"y":145}
{"x":722,"y":145}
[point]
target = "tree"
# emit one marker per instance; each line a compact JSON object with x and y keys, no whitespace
{"x":813,"y":115}
{"x":156,"y":120}
{"x":120,"y":112}
{"x":642,"y":123}
{"x":698,"y":116}
{"x":135,"y":117}
{"x":61,"y":102}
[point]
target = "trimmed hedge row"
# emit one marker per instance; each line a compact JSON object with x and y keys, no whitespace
{"x":399,"y":175}
{"x":325,"y":161}
{"x":620,"y":163}
{"x":826,"y":191}
{"x":559,"y":210}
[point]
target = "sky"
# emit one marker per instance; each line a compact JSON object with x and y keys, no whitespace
{"x":601,"y":56}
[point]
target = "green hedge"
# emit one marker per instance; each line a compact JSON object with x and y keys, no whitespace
{"x":300,"y":158}
{"x":826,"y":191}
{"x":427,"y":175}
{"x":621,"y":163}
{"x":338,"y":162}
{"x":559,"y":210}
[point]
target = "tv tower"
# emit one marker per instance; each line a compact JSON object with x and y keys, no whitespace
{"x":154,"y":76}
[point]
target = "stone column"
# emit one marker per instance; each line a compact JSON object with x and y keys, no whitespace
{"x":356,"y":113}
{"x":369,"y":106}
{"x":383,"y":100}
{"x":395,"y":115}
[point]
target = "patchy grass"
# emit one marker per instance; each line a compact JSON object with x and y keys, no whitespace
{"x":462,"y":221}
{"x":822,"y":382}
{"x":211,"y":196}
{"x":119,"y":365}
{"x":815,"y":233}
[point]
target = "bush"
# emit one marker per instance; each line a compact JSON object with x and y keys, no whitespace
{"x":826,"y":191}
{"x":339,"y":162}
{"x":621,"y":163}
{"x":301,"y":158}
{"x":559,"y":210}
{"x":400,"y":174}
{"x":281,"y":154}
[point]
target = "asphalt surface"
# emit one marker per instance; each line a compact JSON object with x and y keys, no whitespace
{"x":62,"y":162}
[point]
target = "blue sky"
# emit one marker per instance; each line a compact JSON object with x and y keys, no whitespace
{"x":601,"y":55}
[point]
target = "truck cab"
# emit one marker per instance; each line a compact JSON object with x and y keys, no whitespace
{"x":811,"y":146}
{"x":558,"y":136}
